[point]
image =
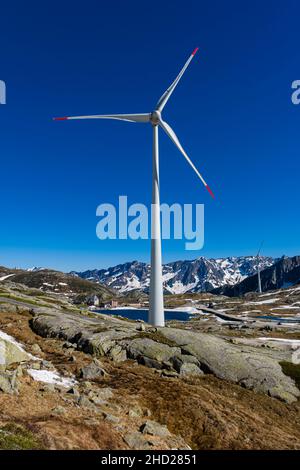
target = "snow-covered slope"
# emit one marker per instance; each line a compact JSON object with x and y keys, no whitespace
{"x":285,"y":272}
{"x":198,"y":275}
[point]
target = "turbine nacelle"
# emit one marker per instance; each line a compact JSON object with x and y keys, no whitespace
{"x":155,"y":118}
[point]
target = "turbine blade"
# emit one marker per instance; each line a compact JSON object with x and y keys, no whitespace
{"x":119,"y":117}
{"x":260,"y":247}
{"x":169,"y":131}
{"x":164,"y":98}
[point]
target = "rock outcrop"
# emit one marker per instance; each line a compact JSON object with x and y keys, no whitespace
{"x":243,"y":365}
{"x":10,"y":351}
{"x":174,"y":351}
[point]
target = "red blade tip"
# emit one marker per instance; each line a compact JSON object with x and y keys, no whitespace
{"x":60,"y":118}
{"x":195,"y":51}
{"x":210,"y":191}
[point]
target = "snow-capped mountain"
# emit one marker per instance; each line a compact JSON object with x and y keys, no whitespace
{"x":285,"y":272}
{"x":198,"y":275}
{"x":35,"y":269}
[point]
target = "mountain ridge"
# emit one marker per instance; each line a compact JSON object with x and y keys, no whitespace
{"x":285,"y":272}
{"x":198,"y":275}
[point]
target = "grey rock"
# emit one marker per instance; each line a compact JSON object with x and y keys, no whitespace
{"x":111,"y":418}
{"x":190,"y":369}
{"x":19,"y":371}
{"x":236,"y":363}
{"x":155,"y":429}
{"x":85,"y":402}
{"x":137,"y":441}
{"x":86,"y":385}
{"x":100,"y":397}
{"x":48,"y":388}
{"x":74,"y":391}
{"x":104,"y":393}
{"x":141,"y":327}
{"x":11,"y":353}
{"x":181,"y":359}
{"x":36,"y":349}
{"x":35,"y":365}
{"x":98,"y":401}
{"x":59,"y":410}
{"x":117,"y":354}
{"x":47,"y":364}
{"x":91,"y":422}
{"x":150,"y":352}
{"x":93,"y":336}
{"x":169,"y":373}
{"x":91,"y":372}
{"x":9,"y":382}
{"x":135,"y":412}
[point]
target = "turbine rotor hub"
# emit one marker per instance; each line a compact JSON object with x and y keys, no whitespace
{"x":155,"y":118}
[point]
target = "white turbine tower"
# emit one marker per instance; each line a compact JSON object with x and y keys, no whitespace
{"x":156,"y":306}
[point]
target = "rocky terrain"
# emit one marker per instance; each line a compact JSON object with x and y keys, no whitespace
{"x":179,"y":277}
{"x":72,"y":379}
{"x":55,"y":282}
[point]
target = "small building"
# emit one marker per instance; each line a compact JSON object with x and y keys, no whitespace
{"x":93,"y":300}
{"x":111,"y":304}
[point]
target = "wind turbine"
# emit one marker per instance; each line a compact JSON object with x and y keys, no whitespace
{"x":258,"y":269}
{"x":156,"y":306}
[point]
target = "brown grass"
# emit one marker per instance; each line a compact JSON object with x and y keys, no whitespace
{"x":212,"y":414}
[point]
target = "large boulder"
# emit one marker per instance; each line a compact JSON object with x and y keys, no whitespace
{"x":11,"y":351}
{"x":96,"y":336}
{"x":150,"y":352}
{"x":92,"y":371}
{"x":190,"y":369}
{"x":9,"y":382}
{"x":155,"y":429}
{"x":239,"y":364}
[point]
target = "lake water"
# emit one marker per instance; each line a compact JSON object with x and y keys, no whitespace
{"x":278,"y":319}
{"x":140,"y":314}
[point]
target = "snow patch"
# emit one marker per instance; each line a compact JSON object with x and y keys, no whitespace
{"x":282,"y":340}
{"x":5,"y":277}
{"x":268,"y":301}
{"x":282,"y":307}
{"x":51,"y":377}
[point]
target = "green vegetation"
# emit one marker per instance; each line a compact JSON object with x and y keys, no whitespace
{"x":292,"y":370}
{"x":16,"y":437}
{"x":24,"y":300}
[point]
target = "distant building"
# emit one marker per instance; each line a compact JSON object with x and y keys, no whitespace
{"x":93,"y":300}
{"x":111,"y":304}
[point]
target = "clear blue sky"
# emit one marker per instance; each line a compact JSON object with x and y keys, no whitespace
{"x":232,"y":112}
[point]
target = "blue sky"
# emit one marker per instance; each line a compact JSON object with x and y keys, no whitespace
{"x":232,"y":112}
